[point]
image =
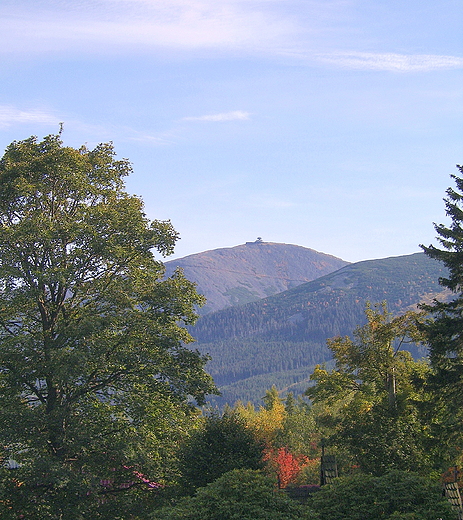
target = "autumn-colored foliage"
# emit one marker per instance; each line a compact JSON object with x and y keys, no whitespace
{"x":266,"y":423}
{"x":286,"y":465}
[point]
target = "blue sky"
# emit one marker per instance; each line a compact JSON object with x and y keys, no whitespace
{"x":329,"y":124}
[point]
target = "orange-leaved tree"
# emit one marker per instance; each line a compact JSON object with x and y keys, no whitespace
{"x":286,"y":465}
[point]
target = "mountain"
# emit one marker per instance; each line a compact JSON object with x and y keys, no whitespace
{"x":251,"y":271}
{"x":278,"y":340}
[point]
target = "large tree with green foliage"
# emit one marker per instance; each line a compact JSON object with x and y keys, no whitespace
{"x":444,"y":328}
{"x":95,"y":376}
{"x":376,"y":388}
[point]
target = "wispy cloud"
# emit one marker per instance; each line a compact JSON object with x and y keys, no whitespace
{"x":259,"y":27}
{"x":57,"y":26}
{"x":226,"y":116}
{"x":391,"y":62}
{"x":10,"y":115}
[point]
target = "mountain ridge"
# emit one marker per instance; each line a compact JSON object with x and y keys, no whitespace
{"x":251,"y":271}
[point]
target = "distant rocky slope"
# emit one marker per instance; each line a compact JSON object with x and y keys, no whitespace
{"x":246,"y":273}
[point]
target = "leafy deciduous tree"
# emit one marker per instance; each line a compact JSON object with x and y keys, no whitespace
{"x":94,"y":374}
{"x":286,"y":466}
{"x":375,"y":383}
{"x":267,"y":421}
{"x":289,"y":434}
{"x":300,"y":432}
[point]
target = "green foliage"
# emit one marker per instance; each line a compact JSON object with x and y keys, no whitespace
{"x":393,"y":496}
{"x":271,"y":398}
{"x":241,"y":494}
{"x":289,"y":434}
{"x":445,"y":331}
{"x":94,"y":372}
{"x":300,"y":433}
{"x":373,"y":364}
{"x":222,"y":443}
{"x":379,"y":440}
{"x":374,"y":388}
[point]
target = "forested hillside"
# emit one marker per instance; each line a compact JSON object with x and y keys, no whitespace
{"x":277,"y":340}
{"x":251,"y":271}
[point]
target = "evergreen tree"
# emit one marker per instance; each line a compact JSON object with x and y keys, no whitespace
{"x":445,"y":331}
{"x":222,"y":443}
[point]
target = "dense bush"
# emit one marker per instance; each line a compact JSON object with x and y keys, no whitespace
{"x":237,"y":495}
{"x":394,"y":496}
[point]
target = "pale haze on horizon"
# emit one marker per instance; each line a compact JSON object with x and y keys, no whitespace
{"x":333,"y":125}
